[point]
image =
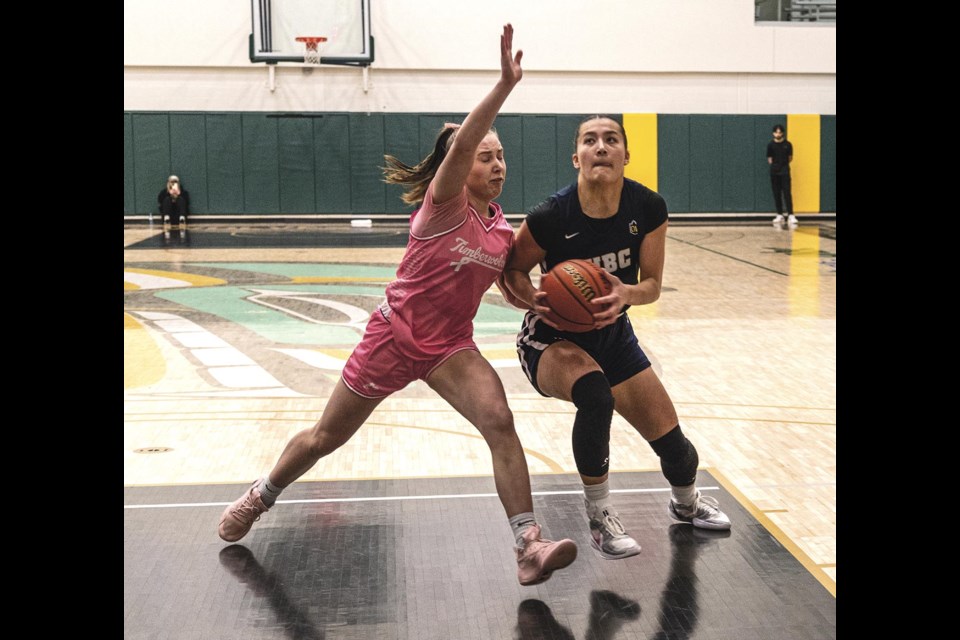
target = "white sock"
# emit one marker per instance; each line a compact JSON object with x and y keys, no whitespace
{"x":597,"y":498}
{"x":685,"y":496}
{"x":268,"y":492}
{"x":520,"y":523}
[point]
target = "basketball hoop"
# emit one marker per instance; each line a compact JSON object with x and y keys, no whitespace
{"x":312,"y":55}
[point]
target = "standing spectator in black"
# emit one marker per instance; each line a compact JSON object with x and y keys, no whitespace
{"x":174,"y":203}
{"x":779,"y":155}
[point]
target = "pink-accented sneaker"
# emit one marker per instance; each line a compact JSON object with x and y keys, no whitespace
{"x":609,"y":538}
{"x":240,"y":516}
{"x":705,"y":513}
{"x":539,"y":558}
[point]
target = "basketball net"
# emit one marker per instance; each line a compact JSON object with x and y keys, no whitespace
{"x":313,"y":54}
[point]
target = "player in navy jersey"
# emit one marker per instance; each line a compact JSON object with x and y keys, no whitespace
{"x":620,"y":225}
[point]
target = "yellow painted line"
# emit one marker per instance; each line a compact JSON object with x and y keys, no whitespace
{"x":129,"y":286}
{"x":143,"y":363}
{"x":803,"y":287}
{"x":777,"y":533}
{"x":641,"y":130}
{"x":340,"y":354}
{"x":803,"y":132}
{"x":498,"y":354}
{"x":191,"y":278}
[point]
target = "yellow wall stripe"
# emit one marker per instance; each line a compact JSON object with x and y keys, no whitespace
{"x":641,"y":129}
{"x":803,"y":131}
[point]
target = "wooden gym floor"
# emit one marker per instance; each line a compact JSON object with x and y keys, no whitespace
{"x":235,"y":334}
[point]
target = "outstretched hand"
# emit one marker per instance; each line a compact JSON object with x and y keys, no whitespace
{"x":510,"y":70}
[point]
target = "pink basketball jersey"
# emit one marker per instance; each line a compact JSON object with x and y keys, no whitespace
{"x":453,"y":257}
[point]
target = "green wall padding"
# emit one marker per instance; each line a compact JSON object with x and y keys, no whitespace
{"x":224,"y":164}
{"x":151,"y":158}
{"x":297,"y":174}
{"x":673,"y":171}
{"x":317,"y":163}
{"x":261,"y":164}
{"x":367,"y":190}
{"x":566,"y":130}
{"x":714,"y":164}
{"x":402,"y":141}
{"x":510,"y":129}
{"x":331,"y":140}
{"x":188,"y":153}
{"x":129,"y":190}
{"x":539,"y":143}
{"x":705,"y":157}
{"x":739,"y":161}
{"x":828,"y":164}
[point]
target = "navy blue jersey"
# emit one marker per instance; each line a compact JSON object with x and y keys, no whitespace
{"x":560,"y":227}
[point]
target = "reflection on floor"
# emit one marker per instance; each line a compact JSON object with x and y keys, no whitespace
{"x":432,"y":558}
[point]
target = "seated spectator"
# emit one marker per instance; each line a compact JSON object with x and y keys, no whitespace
{"x":174,"y":203}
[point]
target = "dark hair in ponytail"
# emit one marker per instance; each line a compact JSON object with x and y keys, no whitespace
{"x":418,"y":178}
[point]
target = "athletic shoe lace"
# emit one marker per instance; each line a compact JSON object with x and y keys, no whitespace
{"x":708,"y":504}
{"x":612,"y":522}
{"x":247,"y":512}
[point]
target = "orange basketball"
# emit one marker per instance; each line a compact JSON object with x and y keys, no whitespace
{"x":570,"y":287}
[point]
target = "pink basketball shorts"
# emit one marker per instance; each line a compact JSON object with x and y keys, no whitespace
{"x":378,"y":368}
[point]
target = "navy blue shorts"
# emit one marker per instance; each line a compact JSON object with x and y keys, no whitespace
{"x":615,"y":348}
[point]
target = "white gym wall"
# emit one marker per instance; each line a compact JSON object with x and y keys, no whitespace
{"x":619,"y":56}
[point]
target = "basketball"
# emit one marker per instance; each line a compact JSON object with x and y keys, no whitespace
{"x":570,"y":287}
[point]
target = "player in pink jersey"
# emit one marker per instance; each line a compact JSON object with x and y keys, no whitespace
{"x":459,"y":245}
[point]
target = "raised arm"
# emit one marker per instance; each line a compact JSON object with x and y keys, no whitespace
{"x":452,"y":174}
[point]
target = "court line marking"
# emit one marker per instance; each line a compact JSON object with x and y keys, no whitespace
{"x":767,"y":523}
{"x":395,"y":498}
{"x":727,"y":255}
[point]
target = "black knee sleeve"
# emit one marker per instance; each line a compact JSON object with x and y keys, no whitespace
{"x":678,"y":458}
{"x":591,"y":428}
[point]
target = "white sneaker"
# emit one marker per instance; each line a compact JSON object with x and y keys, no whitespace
{"x":705,"y":513}
{"x":778,"y":221}
{"x":792,"y":220}
{"x":183,"y":223}
{"x":609,"y":538}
